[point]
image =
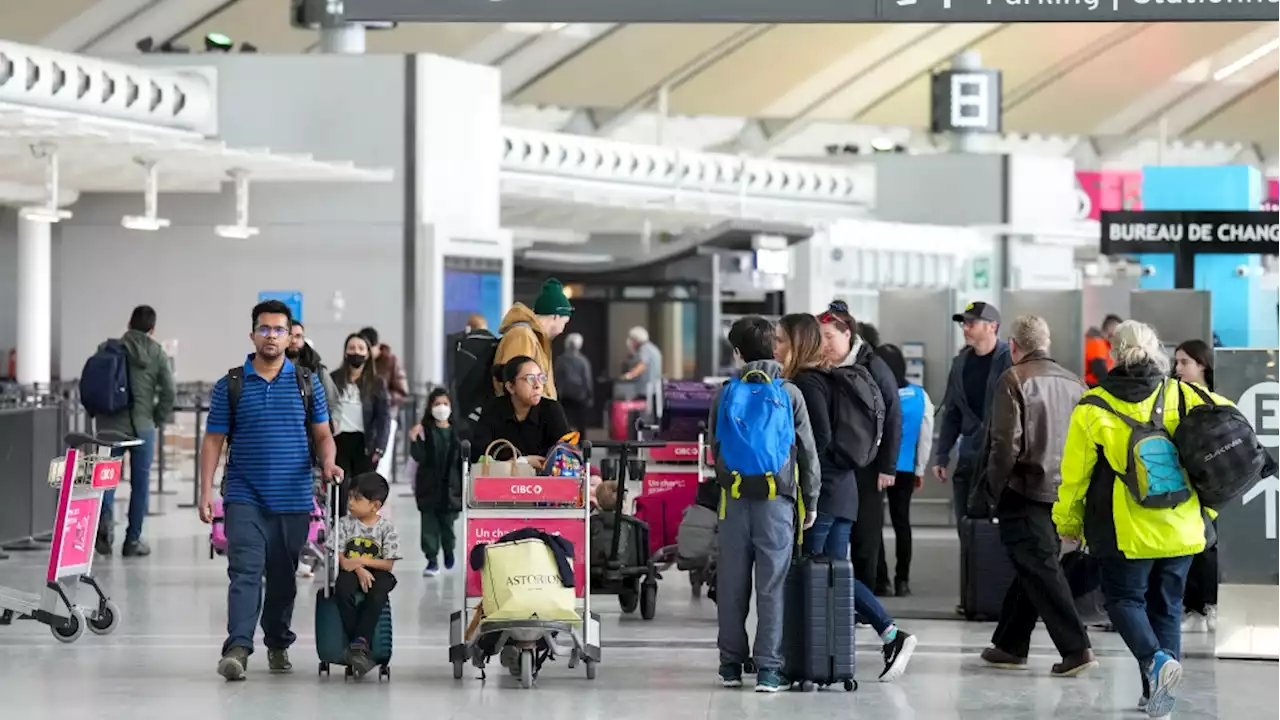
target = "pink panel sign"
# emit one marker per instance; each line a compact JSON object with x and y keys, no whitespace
{"x":566,"y":491}
{"x":77,"y":532}
{"x":488,"y":530}
{"x":656,"y":482}
{"x":106,"y":474}
{"x":1272,"y":200}
{"x":1108,"y":190}
{"x":676,"y":452}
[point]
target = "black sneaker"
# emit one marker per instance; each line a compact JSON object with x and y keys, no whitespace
{"x":897,"y":653}
{"x":883,"y":589}
{"x":103,"y":544}
{"x":901,"y":588}
{"x":448,"y":560}
{"x":358,"y":658}
{"x":135,"y":548}
{"x":233,"y":664}
{"x":278,"y":660}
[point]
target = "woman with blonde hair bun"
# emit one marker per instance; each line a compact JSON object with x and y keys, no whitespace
{"x":1144,"y":545}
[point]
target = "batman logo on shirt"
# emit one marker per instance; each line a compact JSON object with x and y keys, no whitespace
{"x":362,"y":547}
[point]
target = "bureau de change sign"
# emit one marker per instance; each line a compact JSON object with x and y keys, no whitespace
{"x":807,"y":11}
{"x":1129,"y":232}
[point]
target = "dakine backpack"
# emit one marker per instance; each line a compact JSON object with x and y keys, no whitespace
{"x":755,"y":436}
{"x":1219,"y":448}
{"x":1154,"y":473}
{"x":104,"y":381}
{"x":857,"y":421}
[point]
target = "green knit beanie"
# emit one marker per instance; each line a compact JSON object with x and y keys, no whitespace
{"x":552,"y":300}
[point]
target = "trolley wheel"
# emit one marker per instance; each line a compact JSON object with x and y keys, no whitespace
{"x":384,"y":673}
{"x":850,"y":685}
{"x":526,"y":669}
{"x":573,"y":658}
{"x":72,"y":629}
{"x":107,"y":619}
{"x":628,"y":600}
{"x":695,"y":583}
{"x":211,"y":553}
{"x":323,"y":669}
{"x":807,"y":686}
{"x":591,"y":668}
{"x":458,"y":667}
{"x":348,"y":673}
{"x":648,"y":599}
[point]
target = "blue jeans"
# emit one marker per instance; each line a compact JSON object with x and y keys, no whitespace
{"x":1146,"y":627}
{"x":262,"y":546}
{"x":829,"y":536}
{"x":140,"y":458}
{"x":757,"y":538}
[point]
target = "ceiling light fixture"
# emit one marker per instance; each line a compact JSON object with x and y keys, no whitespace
{"x":241,"y":230}
{"x":1246,"y":61}
{"x":49,"y":212}
{"x":148,"y":221}
{"x":534,"y":28}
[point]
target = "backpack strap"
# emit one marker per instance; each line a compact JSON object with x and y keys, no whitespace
{"x":305,"y":387}
{"x":1095,"y":401}
{"x":756,"y":373}
{"x":235,"y":385}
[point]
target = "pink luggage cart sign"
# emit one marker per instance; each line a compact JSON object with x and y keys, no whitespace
{"x":78,"y":531}
{"x":676,"y":452}
{"x":106,"y":474}
{"x":561,"y":491}
{"x":656,"y":482}
{"x":488,"y":530}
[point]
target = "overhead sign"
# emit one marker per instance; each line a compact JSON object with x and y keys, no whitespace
{"x":291,"y":298}
{"x":965,"y":101}
{"x":1197,"y":232}
{"x":808,"y":11}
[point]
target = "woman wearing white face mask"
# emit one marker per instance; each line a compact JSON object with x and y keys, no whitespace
{"x":437,"y":487}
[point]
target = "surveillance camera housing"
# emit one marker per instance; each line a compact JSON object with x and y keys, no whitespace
{"x":1148,"y":271}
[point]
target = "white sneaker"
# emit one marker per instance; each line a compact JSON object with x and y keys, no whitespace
{"x":1211,"y":617}
{"x":1194,"y":622}
{"x":430,"y":571}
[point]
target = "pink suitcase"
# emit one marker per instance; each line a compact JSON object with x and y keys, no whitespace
{"x":218,"y":530}
{"x":662,"y":512}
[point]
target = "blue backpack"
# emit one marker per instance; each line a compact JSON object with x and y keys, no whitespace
{"x":104,"y":381}
{"x":1153,"y":472}
{"x":755,"y":436}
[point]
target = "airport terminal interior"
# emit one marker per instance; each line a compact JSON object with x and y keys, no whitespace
{"x":390,"y":198}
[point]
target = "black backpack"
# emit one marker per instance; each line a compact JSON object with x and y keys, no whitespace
{"x":857,"y":421}
{"x":1219,"y":449}
{"x":235,"y":385}
{"x":104,"y":381}
{"x":473,"y":361}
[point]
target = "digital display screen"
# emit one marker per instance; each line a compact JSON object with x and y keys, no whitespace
{"x":471,"y":286}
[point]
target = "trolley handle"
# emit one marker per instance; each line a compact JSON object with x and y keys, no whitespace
{"x":333,"y":496}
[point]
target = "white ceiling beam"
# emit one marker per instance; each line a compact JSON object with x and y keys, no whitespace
{"x":95,"y":21}
{"x":548,"y":50}
{"x":161,"y":21}
{"x":863,"y":77}
{"x":1193,"y":95}
{"x":608,"y":125}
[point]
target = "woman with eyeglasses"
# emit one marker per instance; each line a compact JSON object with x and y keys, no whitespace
{"x":362,"y":411}
{"x":524,"y":417}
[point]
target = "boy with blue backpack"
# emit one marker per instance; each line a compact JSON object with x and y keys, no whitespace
{"x":767,"y":470}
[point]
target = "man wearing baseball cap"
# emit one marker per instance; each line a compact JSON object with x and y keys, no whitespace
{"x":972,"y":381}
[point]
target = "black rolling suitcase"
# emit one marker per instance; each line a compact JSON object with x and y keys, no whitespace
{"x":985,"y":569}
{"x":818,"y":624}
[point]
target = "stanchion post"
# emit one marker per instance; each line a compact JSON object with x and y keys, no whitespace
{"x":195,"y":476}
{"x":160,"y":445}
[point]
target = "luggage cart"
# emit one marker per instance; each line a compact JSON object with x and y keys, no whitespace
{"x":82,"y":476}
{"x":493,"y":507}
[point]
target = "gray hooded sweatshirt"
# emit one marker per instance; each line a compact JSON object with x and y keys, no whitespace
{"x":806,"y":449}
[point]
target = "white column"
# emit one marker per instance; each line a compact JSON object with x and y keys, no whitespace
{"x":347,"y":39}
{"x":35,"y":301}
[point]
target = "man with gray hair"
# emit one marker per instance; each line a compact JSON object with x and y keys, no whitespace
{"x":642,"y":377}
{"x":1028,"y":421}
{"x":577,"y":388}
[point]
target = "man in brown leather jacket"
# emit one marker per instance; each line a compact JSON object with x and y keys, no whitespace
{"x":1030,"y":413}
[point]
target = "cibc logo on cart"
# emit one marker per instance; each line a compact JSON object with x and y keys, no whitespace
{"x":526,"y":489}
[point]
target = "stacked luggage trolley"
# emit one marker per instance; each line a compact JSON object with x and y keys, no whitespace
{"x":82,"y":476}
{"x":493,"y":507}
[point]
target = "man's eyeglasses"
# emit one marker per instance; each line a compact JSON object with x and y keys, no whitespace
{"x":540,"y":379}
{"x":267,"y":331}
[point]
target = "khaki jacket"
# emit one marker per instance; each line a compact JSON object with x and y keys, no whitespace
{"x":522,"y":335}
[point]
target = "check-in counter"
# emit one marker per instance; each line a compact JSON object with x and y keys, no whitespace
{"x":29,"y":440}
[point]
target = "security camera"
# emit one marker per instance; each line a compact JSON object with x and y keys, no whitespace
{"x":1148,"y":271}
{"x":1241,"y":271}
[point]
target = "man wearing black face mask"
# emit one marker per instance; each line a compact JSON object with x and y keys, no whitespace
{"x":301,"y":353}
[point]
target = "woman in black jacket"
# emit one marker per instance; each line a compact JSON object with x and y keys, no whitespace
{"x":361,"y":410}
{"x":522,"y":416}
{"x":437,"y":487}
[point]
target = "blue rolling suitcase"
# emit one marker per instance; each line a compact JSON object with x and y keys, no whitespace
{"x":331,"y":638}
{"x":818,"y":624}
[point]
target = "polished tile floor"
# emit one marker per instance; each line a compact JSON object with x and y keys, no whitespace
{"x":160,"y":663}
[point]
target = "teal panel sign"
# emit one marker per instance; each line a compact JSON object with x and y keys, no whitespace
{"x":292,"y":298}
{"x":981,"y":272}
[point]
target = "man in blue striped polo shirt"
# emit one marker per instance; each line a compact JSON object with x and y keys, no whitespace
{"x":268,"y":494}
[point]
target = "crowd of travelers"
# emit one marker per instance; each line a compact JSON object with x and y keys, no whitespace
{"x":1049,"y":454}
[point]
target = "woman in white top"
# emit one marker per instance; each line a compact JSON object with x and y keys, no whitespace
{"x":361,"y":410}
